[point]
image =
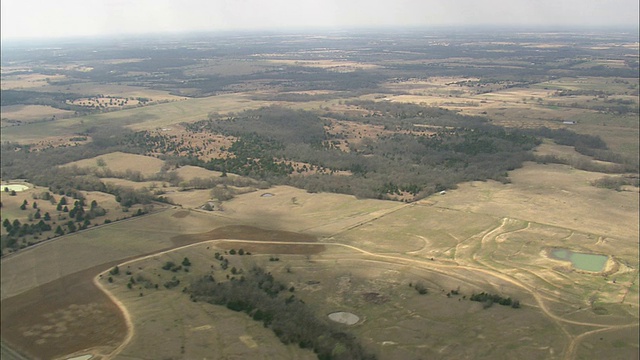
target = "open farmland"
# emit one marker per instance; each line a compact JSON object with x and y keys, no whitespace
{"x":445,"y":197}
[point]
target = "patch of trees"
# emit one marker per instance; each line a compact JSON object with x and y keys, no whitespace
{"x":400,"y":165}
{"x":270,"y":137}
{"x":420,"y":288}
{"x":253,"y":156}
{"x":15,"y":229}
{"x":404,"y":115}
{"x":22,"y":162}
{"x":585,"y":144}
{"x":265,"y":299}
{"x":78,"y":217}
{"x":171,"y":266}
{"x":53,"y":99}
{"x":488,"y":300}
{"x":277,"y":123}
{"x":616,"y":182}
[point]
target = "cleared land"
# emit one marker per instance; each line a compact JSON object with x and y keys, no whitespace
{"x":27,"y":113}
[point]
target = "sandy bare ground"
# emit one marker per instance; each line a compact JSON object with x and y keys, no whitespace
{"x":62,"y":317}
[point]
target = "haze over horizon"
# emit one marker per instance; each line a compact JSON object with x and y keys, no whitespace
{"x":38,"y":19}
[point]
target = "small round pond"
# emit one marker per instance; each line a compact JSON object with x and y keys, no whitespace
{"x":14,"y":187}
{"x":582,"y":261}
{"x":344,"y":317}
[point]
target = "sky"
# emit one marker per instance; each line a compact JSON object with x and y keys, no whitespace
{"x":88,"y":18}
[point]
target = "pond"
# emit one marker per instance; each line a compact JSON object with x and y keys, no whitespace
{"x":344,"y":317}
{"x":14,"y":187}
{"x":582,"y":261}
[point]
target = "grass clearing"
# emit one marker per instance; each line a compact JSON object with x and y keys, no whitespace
{"x":26,"y":81}
{"x":551,"y":194}
{"x":121,"y":162}
{"x":28,"y":113}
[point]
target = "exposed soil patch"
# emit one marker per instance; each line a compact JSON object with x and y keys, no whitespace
{"x":344,"y":317}
{"x":242,"y":232}
{"x":62,"y":317}
{"x":254,"y":248}
{"x":375,"y":298}
{"x":181,"y":214}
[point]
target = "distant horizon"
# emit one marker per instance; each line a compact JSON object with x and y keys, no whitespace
{"x":319,"y":31}
{"x":64,"y":19}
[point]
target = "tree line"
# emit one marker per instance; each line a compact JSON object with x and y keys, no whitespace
{"x":262,"y":297}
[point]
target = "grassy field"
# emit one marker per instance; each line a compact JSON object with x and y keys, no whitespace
{"x":481,"y":237}
{"x":121,"y":162}
{"x":27,"y":113}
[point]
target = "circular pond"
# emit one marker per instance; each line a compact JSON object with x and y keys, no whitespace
{"x":344,"y":317}
{"x":14,"y":187}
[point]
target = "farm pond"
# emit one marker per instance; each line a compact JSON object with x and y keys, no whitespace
{"x":344,"y":317}
{"x":14,"y":187}
{"x":581,"y":261}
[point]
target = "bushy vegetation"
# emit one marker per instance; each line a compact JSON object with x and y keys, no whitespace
{"x":56,"y":100}
{"x":488,"y":300}
{"x":258,"y":294}
{"x":616,"y":182}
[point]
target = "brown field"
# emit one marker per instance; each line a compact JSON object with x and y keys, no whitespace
{"x":112,"y":90}
{"x":332,"y":65}
{"x":565,"y":194}
{"x":26,"y":113}
{"x":189,"y":172}
{"x":121,"y":162}
{"x":59,"y":325}
{"x":30,"y":81}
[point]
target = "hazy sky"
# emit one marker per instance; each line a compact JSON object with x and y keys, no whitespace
{"x":65,"y":18}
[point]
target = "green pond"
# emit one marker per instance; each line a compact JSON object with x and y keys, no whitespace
{"x":582,"y":261}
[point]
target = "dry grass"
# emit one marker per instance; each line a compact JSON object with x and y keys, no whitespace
{"x":31,"y":112}
{"x":189,"y":172}
{"x":552,"y":194}
{"x":30,"y":81}
{"x":332,"y":65}
{"x":193,"y":199}
{"x":122,"y":91}
{"x":121,"y":162}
